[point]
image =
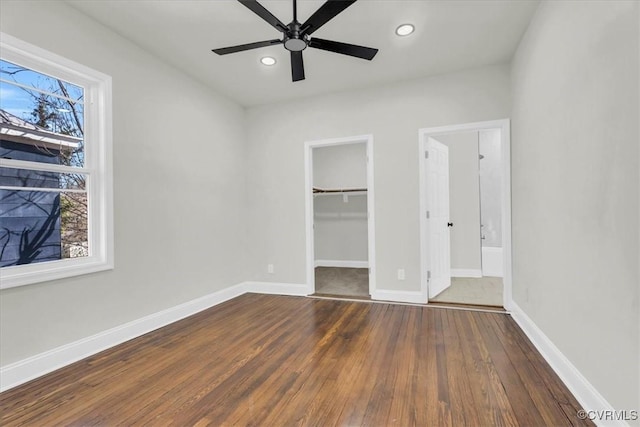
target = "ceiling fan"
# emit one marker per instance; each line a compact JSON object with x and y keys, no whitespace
{"x":296,"y":36}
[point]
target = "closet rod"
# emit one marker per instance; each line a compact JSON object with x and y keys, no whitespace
{"x":338,"y":190}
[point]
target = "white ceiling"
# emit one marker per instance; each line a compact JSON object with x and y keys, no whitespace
{"x":450,"y":35}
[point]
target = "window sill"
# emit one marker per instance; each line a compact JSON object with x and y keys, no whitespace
{"x":21,"y":275}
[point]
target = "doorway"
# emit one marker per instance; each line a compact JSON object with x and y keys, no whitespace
{"x":465,"y":214}
{"x":340,"y":223}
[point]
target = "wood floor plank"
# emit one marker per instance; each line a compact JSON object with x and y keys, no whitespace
{"x":266,"y":360}
{"x":545,"y":378}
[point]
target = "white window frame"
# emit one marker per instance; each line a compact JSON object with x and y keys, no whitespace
{"x":98,"y":166}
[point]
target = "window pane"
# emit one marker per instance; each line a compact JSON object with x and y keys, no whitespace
{"x":30,"y":78}
{"x":37,"y":124}
{"x":42,"y":226}
{"x":10,"y":177}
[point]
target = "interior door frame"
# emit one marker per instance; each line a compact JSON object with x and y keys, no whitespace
{"x":308,"y":162}
{"x":504,"y":125}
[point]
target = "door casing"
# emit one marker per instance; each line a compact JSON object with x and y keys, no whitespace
{"x":308,"y":161}
{"x":504,"y":126}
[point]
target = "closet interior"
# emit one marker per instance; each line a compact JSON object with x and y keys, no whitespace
{"x":340,"y":220}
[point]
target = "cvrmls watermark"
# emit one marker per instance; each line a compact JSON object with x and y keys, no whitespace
{"x":609,"y":415}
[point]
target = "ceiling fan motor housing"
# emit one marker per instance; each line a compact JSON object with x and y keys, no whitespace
{"x":294,"y":41}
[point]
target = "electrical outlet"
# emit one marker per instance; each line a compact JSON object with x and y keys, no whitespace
{"x":401,"y":274}
{"x":270,"y":269}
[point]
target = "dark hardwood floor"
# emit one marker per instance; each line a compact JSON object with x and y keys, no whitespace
{"x":280,"y":361}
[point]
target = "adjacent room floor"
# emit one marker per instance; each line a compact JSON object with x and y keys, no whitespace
{"x":473,"y":291}
{"x":277,"y":361}
{"x":345,"y":282}
{"x":354,"y":283}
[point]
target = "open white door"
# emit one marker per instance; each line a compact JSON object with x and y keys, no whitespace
{"x":437,"y":187}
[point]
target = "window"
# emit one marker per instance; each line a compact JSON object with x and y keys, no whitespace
{"x":55,"y":166}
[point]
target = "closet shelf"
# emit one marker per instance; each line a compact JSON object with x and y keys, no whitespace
{"x":352,"y":191}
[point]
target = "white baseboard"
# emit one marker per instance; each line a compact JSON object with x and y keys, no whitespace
{"x":340,"y":263}
{"x":293,"y":289}
{"x":584,"y":392}
{"x":398,"y":296}
{"x":25,"y":370}
{"x":492,"y":262}
{"x":465,"y":272}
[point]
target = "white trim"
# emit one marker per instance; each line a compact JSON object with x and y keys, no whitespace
{"x":505,"y":142}
{"x":47,"y":167}
{"x":98,"y":163}
{"x":492,"y":259}
{"x":25,"y":370}
{"x":414,"y":297}
{"x":52,"y":270}
{"x":42,"y":189}
{"x":293,"y":289}
{"x":466,"y":272}
{"x":43,"y":61}
{"x":578,"y":385}
{"x":308,"y":191}
{"x":341,"y":263}
{"x":439,"y":306}
{"x":35,"y":89}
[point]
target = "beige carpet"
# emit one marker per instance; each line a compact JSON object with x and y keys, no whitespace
{"x":342,"y":281}
{"x":480,"y":291}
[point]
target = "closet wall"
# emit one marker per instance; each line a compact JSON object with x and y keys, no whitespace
{"x":340,"y":232}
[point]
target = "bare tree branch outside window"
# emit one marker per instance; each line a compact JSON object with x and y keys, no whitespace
{"x":56,"y":106}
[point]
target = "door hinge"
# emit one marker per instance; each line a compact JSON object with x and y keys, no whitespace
{"x":428,"y":214}
{"x":426,"y":154}
{"x":429,"y":275}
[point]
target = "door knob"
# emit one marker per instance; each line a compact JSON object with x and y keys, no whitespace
{"x":449,"y":224}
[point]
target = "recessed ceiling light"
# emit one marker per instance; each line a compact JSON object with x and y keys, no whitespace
{"x":405,"y":30}
{"x":268,"y":61}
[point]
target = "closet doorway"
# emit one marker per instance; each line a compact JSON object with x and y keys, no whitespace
{"x":339,"y":197}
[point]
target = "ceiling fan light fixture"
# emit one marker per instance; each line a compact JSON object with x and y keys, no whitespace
{"x":295,"y":44}
{"x":404,"y":30}
{"x":268,"y":61}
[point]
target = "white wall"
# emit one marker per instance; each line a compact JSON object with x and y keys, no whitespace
{"x":179,"y":168}
{"x":491,"y":187}
{"x":393,"y":114}
{"x":464,"y":200}
{"x":340,"y":232}
{"x":575,"y":187}
{"x":340,"y":166}
{"x":340,"y":225}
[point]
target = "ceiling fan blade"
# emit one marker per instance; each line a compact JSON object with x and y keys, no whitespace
{"x":248,"y":46}
{"x":323,"y":15}
{"x":344,"y":48}
{"x":297,"y":66}
{"x":263,"y":13}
